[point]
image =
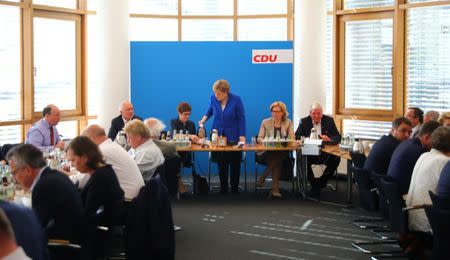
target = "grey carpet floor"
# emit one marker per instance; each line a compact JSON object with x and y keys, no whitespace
{"x":251,"y":226}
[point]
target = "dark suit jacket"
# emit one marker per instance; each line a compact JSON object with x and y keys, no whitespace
{"x":176,"y":124}
{"x":117,"y":125}
{"x":443,"y":188}
{"x":58,"y":205}
{"x":328,"y":128}
{"x":403,"y":161}
{"x":103,"y":189}
{"x":27,"y":230}
{"x":380,"y":155}
{"x":150,"y":233}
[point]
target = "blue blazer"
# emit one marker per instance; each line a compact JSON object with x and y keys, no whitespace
{"x":231,"y":121}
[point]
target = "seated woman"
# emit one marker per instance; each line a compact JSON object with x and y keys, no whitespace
{"x":280,"y":126}
{"x":102,"y":189}
{"x":183,"y":123}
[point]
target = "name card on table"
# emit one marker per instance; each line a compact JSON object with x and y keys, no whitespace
{"x":311,"y":146}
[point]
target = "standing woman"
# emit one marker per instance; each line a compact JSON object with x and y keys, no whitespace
{"x":229,"y":120}
{"x":278,"y":126}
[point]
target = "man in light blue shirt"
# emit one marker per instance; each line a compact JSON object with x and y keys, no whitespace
{"x":43,"y":134}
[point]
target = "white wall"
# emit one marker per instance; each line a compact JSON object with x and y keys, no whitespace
{"x":114,"y":51}
{"x":309,"y":56}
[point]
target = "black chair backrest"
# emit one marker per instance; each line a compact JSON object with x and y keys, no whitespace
{"x":382,"y":202}
{"x":439,"y":201}
{"x":398,"y":218}
{"x":438,"y":215}
{"x":150,"y":233}
{"x":172,"y":169}
{"x":358,"y":159}
{"x":368,"y":199}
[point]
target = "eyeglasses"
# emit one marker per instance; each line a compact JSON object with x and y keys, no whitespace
{"x":276,"y":111}
{"x":403,"y":130}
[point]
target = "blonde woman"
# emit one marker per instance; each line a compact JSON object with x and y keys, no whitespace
{"x":444,"y":119}
{"x":277,"y":125}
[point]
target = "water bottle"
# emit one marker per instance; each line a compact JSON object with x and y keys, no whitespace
{"x":358,"y":146}
{"x":214,"y":137}
{"x":313,"y":134}
{"x":201,"y":132}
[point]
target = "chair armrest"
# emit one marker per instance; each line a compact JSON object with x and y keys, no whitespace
{"x":414,"y":207}
{"x":62,"y":243}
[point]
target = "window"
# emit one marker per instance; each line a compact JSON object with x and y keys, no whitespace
{"x":272,"y":29}
{"x":59,"y":3}
{"x":10,"y":81}
{"x":55,"y":62}
{"x":10,"y":134}
{"x":368,"y":64}
{"x":248,"y":7}
{"x":162,"y":7}
{"x":366,"y":129}
{"x":421,"y":1}
{"x":153,"y":29}
{"x":428,"y":58}
{"x":329,"y":5}
{"x":207,"y":7}
{"x":350,"y":4}
{"x":207,"y":30}
{"x":68,"y":129}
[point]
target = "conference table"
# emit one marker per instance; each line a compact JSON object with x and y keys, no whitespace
{"x":291,"y":146}
{"x":301,"y":172}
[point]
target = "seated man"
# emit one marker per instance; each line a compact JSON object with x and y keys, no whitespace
{"x":415,"y":116}
{"x":407,"y":153}
{"x":380,"y":155}
{"x":54,"y":197}
{"x":43,"y":134}
{"x":431,"y":115}
{"x":8,"y":246}
{"x":327,"y":131}
{"x":126,"y":114}
{"x":444,"y":182}
{"x":126,"y":169}
{"x":155,"y":126}
{"x":27,"y":230}
{"x":425,"y":178}
{"x":145,"y":152}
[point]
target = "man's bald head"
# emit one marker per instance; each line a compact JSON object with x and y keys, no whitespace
{"x":95,"y":132}
{"x":126,"y":110}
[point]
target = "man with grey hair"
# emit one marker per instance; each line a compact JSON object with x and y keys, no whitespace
{"x":9,"y":248}
{"x":431,"y":115}
{"x":155,"y":126}
{"x":54,"y":197}
{"x":327,"y":131}
{"x":126,"y":110}
{"x":126,"y":169}
{"x":144,"y":151}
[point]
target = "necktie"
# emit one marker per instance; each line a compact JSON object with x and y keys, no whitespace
{"x":52,"y":136}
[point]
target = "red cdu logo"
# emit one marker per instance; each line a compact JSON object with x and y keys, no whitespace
{"x":272,"y":56}
{"x":264,"y":58}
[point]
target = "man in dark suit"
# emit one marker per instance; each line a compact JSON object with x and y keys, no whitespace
{"x":327,"y":131}
{"x":27,"y":230}
{"x":54,"y":197}
{"x":126,"y":114}
{"x":380,"y":155}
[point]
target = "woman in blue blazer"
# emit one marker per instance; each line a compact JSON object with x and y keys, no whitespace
{"x":229,"y":120}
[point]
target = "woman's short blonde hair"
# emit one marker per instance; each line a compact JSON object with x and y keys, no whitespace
{"x":221,"y":85}
{"x":283,"y":108}
{"x":444,"y":115}
{"x":137,"y":127}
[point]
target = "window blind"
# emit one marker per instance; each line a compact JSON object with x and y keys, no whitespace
{"x":350,"y":4}
{"x":364,"y":129}
{"x":428,"y":58}
{"x":368,"y":64}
